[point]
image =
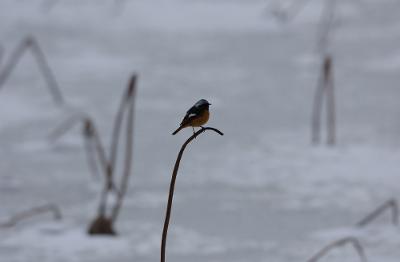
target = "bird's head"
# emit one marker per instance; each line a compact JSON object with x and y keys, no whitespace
{"x":202,"y":104}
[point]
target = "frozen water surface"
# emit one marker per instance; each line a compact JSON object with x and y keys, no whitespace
{"x":261,"y":192}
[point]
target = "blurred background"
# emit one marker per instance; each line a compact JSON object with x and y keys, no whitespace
{"x":262,"y":192}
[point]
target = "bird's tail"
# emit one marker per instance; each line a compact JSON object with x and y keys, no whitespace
{"x":176,"y":131}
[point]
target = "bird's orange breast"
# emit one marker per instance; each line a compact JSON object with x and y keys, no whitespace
{"x":200,"y":120}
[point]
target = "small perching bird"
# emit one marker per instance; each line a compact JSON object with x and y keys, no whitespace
{"x":196,"y":116}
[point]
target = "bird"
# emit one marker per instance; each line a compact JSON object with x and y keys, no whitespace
{"x":196,"y":116}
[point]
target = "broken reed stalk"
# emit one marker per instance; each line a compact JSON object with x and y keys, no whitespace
{"x":97,"y":154}
{"x":52,"y":208}
{"x":66,"y":125}
{"x":324,"y":41}
{"x":30,"y":43}
{"x":339,"y":243}
{"x":90,"y":150}
{"x":316,"y":111}
{"x":102,"y":219}
{"x":391,"y":204}
{"x":128,"y":101}
{"x":325,"y":87}
{"x":94,"y":149}
{"x":113,"y":151}
{"x":172,"y":187}
{"x":91,"y":134}
{"x":330,"y":101}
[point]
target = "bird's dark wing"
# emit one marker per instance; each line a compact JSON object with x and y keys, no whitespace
{"x":192,"y":112}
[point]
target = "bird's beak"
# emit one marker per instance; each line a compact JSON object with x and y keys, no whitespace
{"x":209,"y":104}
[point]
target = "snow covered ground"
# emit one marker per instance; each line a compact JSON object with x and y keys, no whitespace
{"x":259,"y":193}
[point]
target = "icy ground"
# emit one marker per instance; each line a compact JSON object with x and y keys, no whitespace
{"x":261,"y":192}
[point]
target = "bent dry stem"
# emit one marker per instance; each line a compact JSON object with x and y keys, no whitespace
{"x":15,"y":219}
{"x":325,"y":88}
{"x":93,"y":146}
{"x":100,"y":162}
{"x":126,"y":111}
{"x":30,"y":43}
{"x":391,"y":204}
{"x":355,"y":243}
{"x":127,"y":102}
{"x":172,"y":187}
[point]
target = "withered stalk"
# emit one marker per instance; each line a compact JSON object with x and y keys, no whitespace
{"x":355,"y":243}
{"x":172,"y":187}
{"x":30,"y":43}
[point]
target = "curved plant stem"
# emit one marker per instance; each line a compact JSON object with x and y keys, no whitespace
{"x":128,"y":148}
{"x":66,"y":125}
{"x":127,"y":100}
{"x":52,"y":208}
{"x":339,"y":243}
{"x":90,"y":150}
{"x":316,"y":111}
{"x":325,"y":88}
{"x":31,"y":43}
{"x":330,"y":102}
{"x":391,"y":204}
{"x":101,"y":153}
{"x":172,"y":187}
{"x":92,"y":135}
{"x":97,"y":156}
